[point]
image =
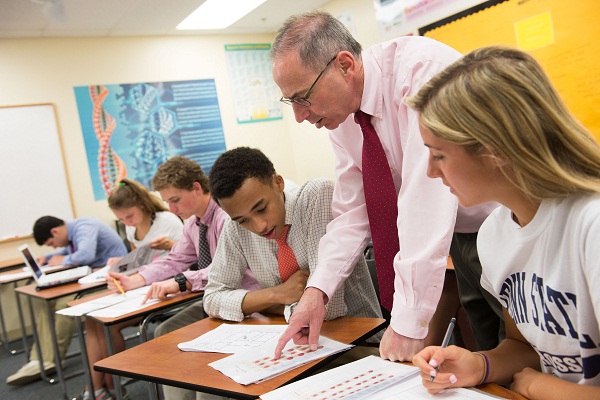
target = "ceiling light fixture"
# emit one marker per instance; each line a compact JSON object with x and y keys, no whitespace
{"x":218,"y":14}
{"x":53,"y":9}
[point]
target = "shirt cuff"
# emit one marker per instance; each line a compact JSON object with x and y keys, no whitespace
{"x":409,"y":322}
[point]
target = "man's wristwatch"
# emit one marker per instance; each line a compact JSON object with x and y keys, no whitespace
{"x":181,"y":280}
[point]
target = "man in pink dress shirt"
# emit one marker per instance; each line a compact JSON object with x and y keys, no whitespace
{"x":374,"y":81}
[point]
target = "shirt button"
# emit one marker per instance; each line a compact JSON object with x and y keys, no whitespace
{"x":423,"y":324}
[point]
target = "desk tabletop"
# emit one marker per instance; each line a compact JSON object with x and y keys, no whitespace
{"x":158,"y":306}
{"x":164,"y":363}
{"x":11,"y":263}
{"x":57,"y":291}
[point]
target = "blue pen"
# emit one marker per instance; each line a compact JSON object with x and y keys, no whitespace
{"x":445,"y":341}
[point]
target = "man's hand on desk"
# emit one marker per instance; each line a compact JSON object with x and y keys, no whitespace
{"x":160,"y":290}
{"x":127,"y":282}
{"x":41,"y":260}
{"x":56,"y":260}
{"x":305,"y":324}
{"x":395,"y":347}
{"x":292,"y":290}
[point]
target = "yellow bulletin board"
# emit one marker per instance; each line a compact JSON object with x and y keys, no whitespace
{"x":564,"y":36}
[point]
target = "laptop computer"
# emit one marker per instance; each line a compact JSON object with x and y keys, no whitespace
{"x":45,"y":281}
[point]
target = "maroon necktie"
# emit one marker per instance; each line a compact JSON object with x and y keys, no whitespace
{"x":382,"y":207}
{"x":286,"y":260}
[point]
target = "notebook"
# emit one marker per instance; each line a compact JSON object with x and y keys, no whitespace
{"x":45,"y":281}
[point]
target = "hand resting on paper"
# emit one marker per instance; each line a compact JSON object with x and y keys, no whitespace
{"x":127,"y":282}
{"x":160,"y":290}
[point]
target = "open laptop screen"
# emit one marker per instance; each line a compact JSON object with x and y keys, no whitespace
{"x":30,"y":260}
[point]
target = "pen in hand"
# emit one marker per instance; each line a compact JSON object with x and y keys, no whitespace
{"x":119,"y":286}
{"x":445,"y":342}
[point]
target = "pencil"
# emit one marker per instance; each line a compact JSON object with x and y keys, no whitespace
{"x":118,"y":286}
{"x":446,"y":341}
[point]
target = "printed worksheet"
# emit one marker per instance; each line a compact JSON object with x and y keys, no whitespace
{"x":369,"y":378}
{"x":232,"y":338}
{"x":360,"y":379}
{"x":257,"y":364}
{"x":111,"y":306}
{"x":413,"y":389}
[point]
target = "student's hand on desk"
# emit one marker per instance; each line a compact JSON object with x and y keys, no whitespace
{"x":458,"y":367}
{"x":162,"y":243}
{"x":395,"y":347}
{"x":127,"y":282}
{"x":160,"y":290}
{"x":306,"y":321}
{"x":113,"y":260}
{"x":41,"y":260}
{"x":56,"y":260}
{"x":293,"y":289}
{"x":523,"y":380}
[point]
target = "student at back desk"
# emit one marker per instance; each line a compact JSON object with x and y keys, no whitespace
{"x":82,"y":241}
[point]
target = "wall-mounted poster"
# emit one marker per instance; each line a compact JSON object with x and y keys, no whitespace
{"x":255,"y":93}
{"x":130,"y":129}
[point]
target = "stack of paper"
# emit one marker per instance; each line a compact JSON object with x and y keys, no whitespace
{"x":111,"y":306}
{"x":96,"y":276}
{"x":233,"y":338}
{"x":257,"y":364}
{"x":369,"y":378}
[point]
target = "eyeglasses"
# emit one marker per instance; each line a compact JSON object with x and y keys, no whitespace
{"x":303,"y":100}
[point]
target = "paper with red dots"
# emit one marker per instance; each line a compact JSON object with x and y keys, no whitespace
{"x":257,"y":364}
{"x":369,"y":378}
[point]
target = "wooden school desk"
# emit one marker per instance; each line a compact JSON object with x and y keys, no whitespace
{"x":169,"y":303}
{"x":48,"y":295}
{"x":161,"y":361}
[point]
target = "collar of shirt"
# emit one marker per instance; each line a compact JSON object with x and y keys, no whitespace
{"x":291,"y":196}
{"x":372,"y":98}
{"x":70,"y":233}
{"x":207,"y":218}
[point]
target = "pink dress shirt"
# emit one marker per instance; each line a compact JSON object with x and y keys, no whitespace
{"x":428,"y":213}
{"x":185,"y":252}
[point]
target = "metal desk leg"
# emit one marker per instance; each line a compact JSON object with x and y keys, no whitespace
{"x":111,"y":351}
{"x":37,"y":343}
{"x":22,"y":322}
{"x":59,"y":371}
{"x":4,"y":334}
{"x":153,"y":391}
{"x":84,"y":357}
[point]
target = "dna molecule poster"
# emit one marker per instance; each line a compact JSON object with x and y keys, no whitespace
{"x":130,"y":129}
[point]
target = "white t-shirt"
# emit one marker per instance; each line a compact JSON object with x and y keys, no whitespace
{"x":547,"y":275}
{"x":166,"y":224}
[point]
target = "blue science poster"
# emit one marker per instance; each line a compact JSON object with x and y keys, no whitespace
{"x":130,"y":129}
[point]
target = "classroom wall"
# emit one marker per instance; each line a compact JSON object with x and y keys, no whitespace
{"x":45,"y":70}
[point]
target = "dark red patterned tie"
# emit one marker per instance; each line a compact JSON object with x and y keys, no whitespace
{"x":382,"y":207}
{"x":286,"y":260}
